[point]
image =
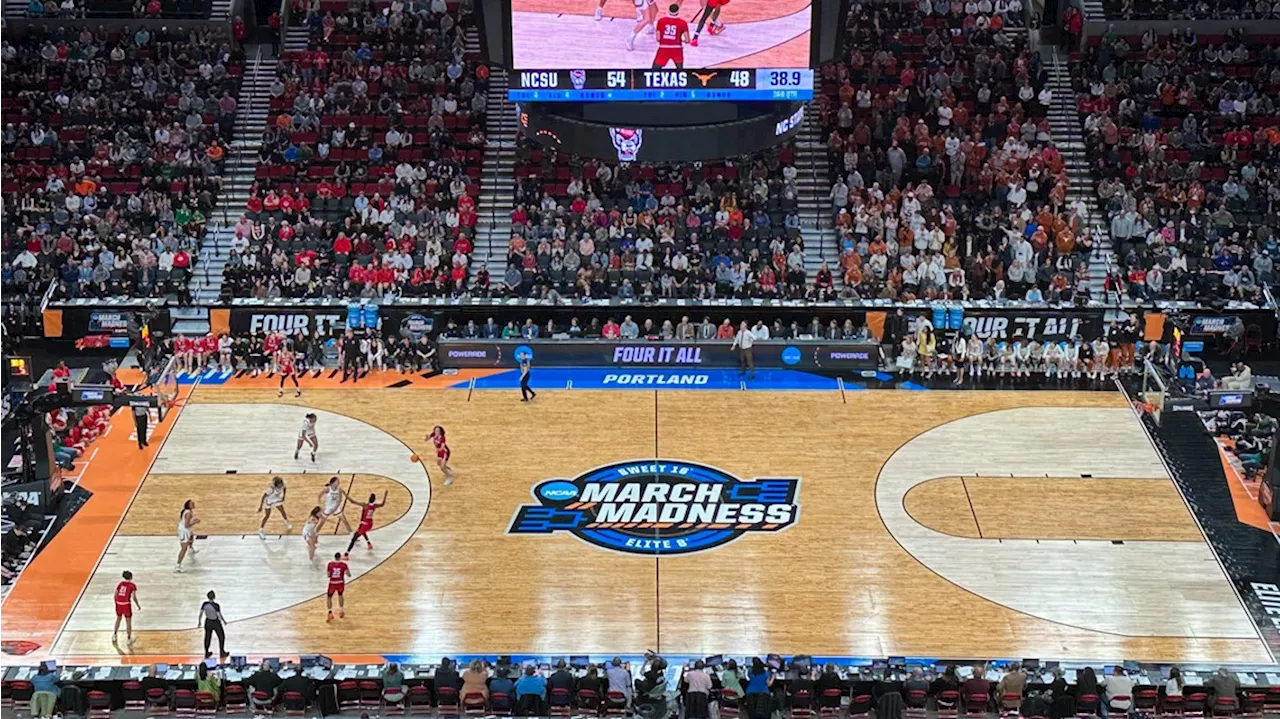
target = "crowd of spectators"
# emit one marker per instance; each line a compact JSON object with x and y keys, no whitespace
{"x":948,"y":185}
{"x":1191,"y":10}
{"x":370,"y":161}
{"x":151,"y":9}
{"x":113,"y":148}
{"x":1184,"y":138}
{"x":588,"y":228}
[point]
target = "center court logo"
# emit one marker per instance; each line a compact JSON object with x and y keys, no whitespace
{"x":658,"y":507}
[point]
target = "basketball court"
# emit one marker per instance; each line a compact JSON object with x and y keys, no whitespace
{"x":927,"y":523}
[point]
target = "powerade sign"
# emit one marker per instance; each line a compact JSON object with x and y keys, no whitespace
{"x":659,"y":507}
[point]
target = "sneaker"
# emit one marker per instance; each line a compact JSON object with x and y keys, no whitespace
{"x":649,"y":29}
{"x":341,"y":614}
{"x":694,"y":41}
{"x":279,"y":394}
{"x":295,"y":455}
{"x":369,"y":546}
{"x":177,"y":568}
{"x":288,"y":526}
{"x":298,"y":393}
{"x":329,"y":618}
{"x":346,"y":557}
{"x":631,"y":42}
{"x":132,"y":641}
{"x":115,"y":639}
{"x":262,"y":534}
{"x":448,"y":481}
{"x":599,"y":13}
{"x":313,"y":456}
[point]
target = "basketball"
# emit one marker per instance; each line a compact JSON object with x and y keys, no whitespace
{"x":413,"y":458}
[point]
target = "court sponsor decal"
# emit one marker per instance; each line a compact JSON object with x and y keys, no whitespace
{"x":659,"y":507}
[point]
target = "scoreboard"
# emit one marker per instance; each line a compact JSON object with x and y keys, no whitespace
{"x":660,"y":85}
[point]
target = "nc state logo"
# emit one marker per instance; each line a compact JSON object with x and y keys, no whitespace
{"x":18,"y":647}
{"x":627,"y":141}
{"x":578,"y":78}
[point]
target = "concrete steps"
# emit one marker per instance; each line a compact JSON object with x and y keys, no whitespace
{"x":813,"y":184}
{"x":497,"y":181}
{"x":1068,"y":137}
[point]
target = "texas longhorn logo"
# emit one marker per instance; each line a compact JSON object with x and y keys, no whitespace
{"x":704,"y":79}
{"x":659,"y":507}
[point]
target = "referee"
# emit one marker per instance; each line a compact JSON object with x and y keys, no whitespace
{"x":743,"y":343}
{"x":526,"y":392}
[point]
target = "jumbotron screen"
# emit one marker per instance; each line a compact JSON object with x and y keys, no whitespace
{"x":599,"y":50}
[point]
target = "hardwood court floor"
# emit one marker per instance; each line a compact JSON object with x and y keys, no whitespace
{"x":868,"y":569}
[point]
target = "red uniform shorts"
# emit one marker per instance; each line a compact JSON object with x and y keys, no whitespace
{"x":668,"y":54}
{"x":124,"y":610}
{"x":717,"y":3}
{"x":336,"y":589}
{"x":364,"y":527}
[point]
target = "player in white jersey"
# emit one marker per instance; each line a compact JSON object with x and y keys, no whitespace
{"x":974,"y":354}
{"x":311,"y":532}
{"x":1021,"y":359}
{"x":906,"y":359}
{"x":307,"y":435}
{"x":1071,"y":358}
{"x":1101,"y":349}
{"x":646,"y":16}
{"x":273,"y":498}
{"x":225,"y":361}
{"x":186,"y":535}
{"x":1006,"y":358}
{"x":1052,"y":359}
{"x":1036,"y":365}
{"x":331,"y":498}
{"x":959,"y":357}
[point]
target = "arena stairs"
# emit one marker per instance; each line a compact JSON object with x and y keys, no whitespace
{"x":237,"y":178}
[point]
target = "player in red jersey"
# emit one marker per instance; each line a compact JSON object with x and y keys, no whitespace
{"x":366,"y":519}
{"x":207,"y":348}
{"x":272,"y":344}
{"x":284,"y":362}
{"x":710,"y":10}
{"x":338,"y":571}
{"x":183,"y":347}
{"x":673,"y":33}
{"x":126,"y":600}
{"x":442,"y":453}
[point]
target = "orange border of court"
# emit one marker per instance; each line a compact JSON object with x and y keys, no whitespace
{"x":1248,"y":511}
{"x":42,"y":600}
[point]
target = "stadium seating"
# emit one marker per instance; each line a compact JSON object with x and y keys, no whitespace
{"x":1184,"y":137}
{"x":947,"y":183}
{"x":599,"y":229}
{"x":370,"y":161}
{"x":113,"y":148}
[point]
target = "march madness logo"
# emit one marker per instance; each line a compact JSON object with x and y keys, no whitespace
{"x":657,"y":507}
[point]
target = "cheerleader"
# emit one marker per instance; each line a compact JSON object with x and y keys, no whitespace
{"x":975,"y":353}
{"x":959,"y":357}
{"x":906,"y":360}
